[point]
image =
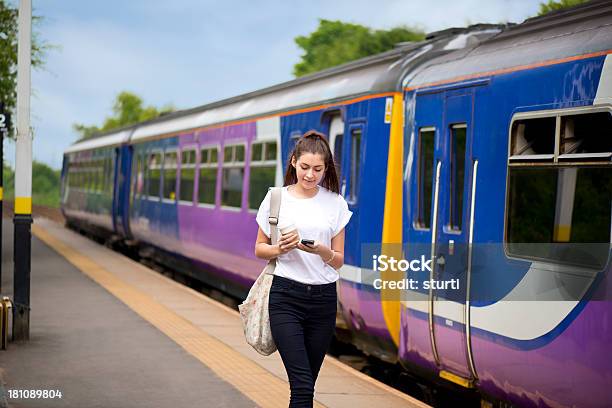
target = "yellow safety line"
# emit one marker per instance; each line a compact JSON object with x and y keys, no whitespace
{"x":333,"y":360}
{"x":256,"y":383}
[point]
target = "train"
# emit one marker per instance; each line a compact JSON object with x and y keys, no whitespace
{"x":488,"y":148}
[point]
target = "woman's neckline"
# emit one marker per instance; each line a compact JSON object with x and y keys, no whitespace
{"x":302,"y":198}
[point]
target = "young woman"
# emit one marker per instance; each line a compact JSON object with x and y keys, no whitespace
{"x":302,"y":302}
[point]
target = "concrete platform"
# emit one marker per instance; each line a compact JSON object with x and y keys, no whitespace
{"x":108,"y":332}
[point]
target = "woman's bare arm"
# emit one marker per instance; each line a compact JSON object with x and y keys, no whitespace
{"x":265,"y":250}
{"x":337,"y":246}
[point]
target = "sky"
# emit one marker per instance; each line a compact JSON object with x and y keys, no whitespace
{"x":191,"y":52}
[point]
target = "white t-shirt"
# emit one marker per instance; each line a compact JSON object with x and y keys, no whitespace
{"x":319,"y":218}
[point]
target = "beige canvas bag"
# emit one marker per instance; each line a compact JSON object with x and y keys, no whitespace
{"x":254,"y":309}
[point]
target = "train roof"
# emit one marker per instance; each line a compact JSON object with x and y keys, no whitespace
{"x":111,"y":139}
{"x":371,"y":75}
{"x":580,"y":30}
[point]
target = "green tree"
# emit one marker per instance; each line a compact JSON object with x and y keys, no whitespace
{"x":127,"y":110}
{"x":8,"y":55}
{"x":552,"y":5}
{"x":334,"y":43}
{"x":45,"y":184}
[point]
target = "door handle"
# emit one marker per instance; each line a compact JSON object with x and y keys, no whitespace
{"x":440,"y":260}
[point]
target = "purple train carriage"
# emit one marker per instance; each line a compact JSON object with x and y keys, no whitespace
{"x":488,"y":148}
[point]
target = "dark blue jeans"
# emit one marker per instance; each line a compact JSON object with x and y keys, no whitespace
{"x":303,"y":320}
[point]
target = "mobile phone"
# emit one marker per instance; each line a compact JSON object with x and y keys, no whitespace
{"x":308,"y":242}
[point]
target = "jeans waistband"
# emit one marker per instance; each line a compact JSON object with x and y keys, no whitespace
{"x":305,"y":287}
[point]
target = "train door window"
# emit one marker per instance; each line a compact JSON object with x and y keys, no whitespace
{"x":338,"y":154}
{"x":232,"y":176}
{"x":425,"y":176}
{"x":208,"y":176}
{"x":560,"y":210}
{"x":187,"y":182}
{"x":154,"y":173}
{"x":169,"y":177}
{"x":133,"y":176}
{"x":336,"y":133}
{"x":355,"y":163}
{"x":263,"y":172}
{"x":457,"y":175}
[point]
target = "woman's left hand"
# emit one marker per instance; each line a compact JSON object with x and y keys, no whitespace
{"x":313,"y":249}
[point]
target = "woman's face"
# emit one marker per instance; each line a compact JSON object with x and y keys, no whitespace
{"x":310,"y":169}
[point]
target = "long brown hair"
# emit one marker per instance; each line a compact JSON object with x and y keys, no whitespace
{"x":315,"y":143}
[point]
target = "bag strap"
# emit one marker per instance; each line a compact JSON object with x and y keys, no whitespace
{"x":275,"y":201}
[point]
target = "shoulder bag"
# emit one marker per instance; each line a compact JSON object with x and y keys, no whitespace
{"x":254,"y":309}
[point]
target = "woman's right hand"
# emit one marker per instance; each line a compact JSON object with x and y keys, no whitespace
{"x":288,"y":242}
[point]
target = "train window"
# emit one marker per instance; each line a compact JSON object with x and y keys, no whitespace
{"x":263,"y":172}
{"x":100,"y":171}
{"x":105,"y":174}
{"x":92,"y":176}
{"x":212,"y":156}
{"x":270,"y":151}
{"x":586,"y":136}
{"x":239,"y":153}
{"x":425,"y":177}
{"x":88,"y":178}
{"x":533,"y":139}
{"x":355,"y":163}
{"x":170,"y":170}
{"x":457,"y":174}
{"x":97,"y":176}
{"x":563,"y":205}
{"x":187,"y":181}
{"x":208,"y":176}
{"x":256,"y":152}
{"x":232,"y":176}
{"x":109,"y":178}
{"x":154,"y":173}
{"x":560,"y":210}
{"x":228,"y":153}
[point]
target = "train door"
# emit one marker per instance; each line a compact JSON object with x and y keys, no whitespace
{"x":116,"y":186}
{"x":441,"y":191}
{"x":121,"y":189}
{"x":350,"y":182}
